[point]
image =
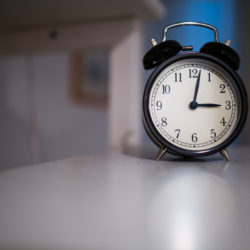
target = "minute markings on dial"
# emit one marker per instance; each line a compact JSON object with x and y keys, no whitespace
{"x":169,"y":104}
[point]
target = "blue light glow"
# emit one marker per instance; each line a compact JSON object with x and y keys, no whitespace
{"x":218,"y":13}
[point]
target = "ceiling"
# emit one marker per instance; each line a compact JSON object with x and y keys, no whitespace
{"x":26,"y":14}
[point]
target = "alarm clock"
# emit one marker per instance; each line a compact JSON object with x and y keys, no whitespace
{"x":194,"y":103}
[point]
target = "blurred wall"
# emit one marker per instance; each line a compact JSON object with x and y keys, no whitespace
{"x":38,"y":120}
{"x":243,"y":24}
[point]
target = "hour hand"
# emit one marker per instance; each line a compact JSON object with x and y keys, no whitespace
{"x":208,"y":105}
{"x":194,"y":105}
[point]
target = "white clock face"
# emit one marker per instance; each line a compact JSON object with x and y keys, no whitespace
{"x":193,"y":104}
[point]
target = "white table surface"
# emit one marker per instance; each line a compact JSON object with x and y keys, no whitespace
{"x":118,"y":201}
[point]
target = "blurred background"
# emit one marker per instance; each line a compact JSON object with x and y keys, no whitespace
{"x":71,"y":75}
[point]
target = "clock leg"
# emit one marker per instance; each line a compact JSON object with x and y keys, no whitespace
{"x":225,"y":154}
{"x":160,"y":153}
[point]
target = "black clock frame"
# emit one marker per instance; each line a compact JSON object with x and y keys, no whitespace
{"x":155,"y":135}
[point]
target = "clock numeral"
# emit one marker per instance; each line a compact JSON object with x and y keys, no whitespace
{"x":223,"y":122}
{"x":177,"y":77}
{"x":194,"y":137}
{"x":209,"y":77}
{"x":159,"y":105}
{"x":193,"y":73}
{"x":213,"y":134}
{"x":222,"y":86}
{"x":228,"y":105}
{"x":164,"y":122}
{"x":165,"y":89}
{"x":178,"y":132}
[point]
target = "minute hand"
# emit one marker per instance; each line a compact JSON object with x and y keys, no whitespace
{"x":208,"y":105}
{"x":197,"y":87}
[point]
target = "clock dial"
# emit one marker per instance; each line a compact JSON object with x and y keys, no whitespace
{"x":193,"y":104}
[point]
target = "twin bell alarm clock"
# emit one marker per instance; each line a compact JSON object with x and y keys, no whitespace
{"x":194,"y":103}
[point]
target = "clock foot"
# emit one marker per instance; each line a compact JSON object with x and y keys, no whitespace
{"x":225,"y":154}
{"x":160,"y":153}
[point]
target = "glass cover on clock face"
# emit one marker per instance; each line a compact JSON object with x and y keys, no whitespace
{"x":193,"y":104}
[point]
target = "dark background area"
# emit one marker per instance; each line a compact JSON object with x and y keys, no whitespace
{"x":39,"y":120}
